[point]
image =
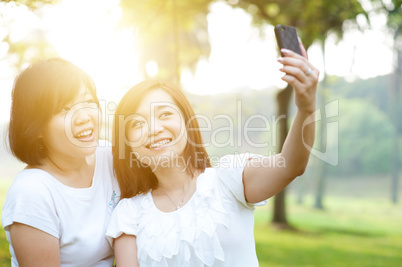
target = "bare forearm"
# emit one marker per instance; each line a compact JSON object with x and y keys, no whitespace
{"x":260,"y":182}
{"x":296,"y":149}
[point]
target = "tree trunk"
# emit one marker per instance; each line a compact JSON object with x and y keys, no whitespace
{"x":283,"y":100}
{"x":322,"y":165}
{"x":322,"y":177}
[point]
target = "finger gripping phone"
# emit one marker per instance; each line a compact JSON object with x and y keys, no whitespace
{"x":286,"y":37}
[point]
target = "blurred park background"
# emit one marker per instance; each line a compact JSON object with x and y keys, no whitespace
{"x":345,"y":210}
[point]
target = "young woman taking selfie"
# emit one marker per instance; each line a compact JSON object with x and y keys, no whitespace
{"x":177,"y":210}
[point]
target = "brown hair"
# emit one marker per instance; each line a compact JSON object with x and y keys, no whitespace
{"x":137,"y":178}
{"x":39,"y":92}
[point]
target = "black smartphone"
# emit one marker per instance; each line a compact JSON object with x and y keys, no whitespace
{"x":286,"y":37}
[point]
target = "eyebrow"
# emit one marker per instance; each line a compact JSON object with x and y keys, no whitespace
{"x":156,"y":107}
{"x":84,"y":96}
{"x":161,"y":106}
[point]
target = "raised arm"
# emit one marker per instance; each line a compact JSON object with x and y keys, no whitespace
{"x":264,"y":177}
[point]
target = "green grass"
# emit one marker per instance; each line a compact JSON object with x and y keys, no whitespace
{"x":4,"y":249}
{"x":349,"y":232}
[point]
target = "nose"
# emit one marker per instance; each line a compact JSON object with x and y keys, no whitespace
{"x":82,"y":115}
{"x":155,"y":127}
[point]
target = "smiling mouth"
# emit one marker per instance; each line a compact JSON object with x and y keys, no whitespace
{"x":159,"y":143}
{"x":84,"y":134}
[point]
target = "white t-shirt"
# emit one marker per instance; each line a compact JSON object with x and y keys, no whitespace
{"x":78,"y":217}
{"x":214,"y":228}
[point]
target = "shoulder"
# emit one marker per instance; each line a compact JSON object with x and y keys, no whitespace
{"x":104,"y":150}
{"x":104,"y":173}
{"x":230,"y":166}
{"x":229,"y":173}
{"x":235,"y":161}
{"x":104,"y":159}
{"x":133,"y":208}
{"x":31,"y":181}
{"x":125,"y":219}
{"x":132,"y":204}
{"x":30,"y":200}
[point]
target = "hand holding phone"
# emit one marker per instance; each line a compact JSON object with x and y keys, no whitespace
{"x":286,"y":37}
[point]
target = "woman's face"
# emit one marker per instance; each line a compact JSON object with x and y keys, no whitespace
{"x":74,"y":131}
{"x":157,"y":131}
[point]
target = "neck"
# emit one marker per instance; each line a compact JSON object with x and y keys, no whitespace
{"x":66,"y":165}
{"x":73,"y":172}
{"x":176,"y":186}
{"x":173,"y":178}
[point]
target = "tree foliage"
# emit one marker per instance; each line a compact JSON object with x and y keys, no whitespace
{"x":32,"y":4}
{"x":34,"y":45}
{"x":365,"y":130}
{"x":314,"y":19}
{"x":174,"y":33}
{"x":393,"y":10}
{"x":366,"y":138}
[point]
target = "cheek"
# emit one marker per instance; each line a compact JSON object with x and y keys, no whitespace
{"x":180,"y":130}
{"x":181,"y":137}
{"x":68,"y":127}
{"x":176,"y":124}
{"x":60,"y":127}
{"x":96,"y":116}
{"x":136,"y":138}
{"x":55,"y":132}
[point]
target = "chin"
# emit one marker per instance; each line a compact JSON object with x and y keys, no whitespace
{"x":88,"y":150}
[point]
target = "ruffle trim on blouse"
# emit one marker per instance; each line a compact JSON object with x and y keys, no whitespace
{"x":187,"y":237}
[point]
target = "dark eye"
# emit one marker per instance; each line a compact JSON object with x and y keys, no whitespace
{"x":65,"y":109}
{"x":137,"y":124}
{"x":91,"y":103}
{"x":165,"y":114}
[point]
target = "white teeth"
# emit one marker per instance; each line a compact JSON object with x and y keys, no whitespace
{"x":159,"y":144}
{"x":85,"y":133}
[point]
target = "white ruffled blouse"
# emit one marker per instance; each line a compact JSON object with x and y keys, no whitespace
{"x":214,"y":228}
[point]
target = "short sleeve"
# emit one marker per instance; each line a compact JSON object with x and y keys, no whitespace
{"x":123,"y":220}
{"x":230,"y":173}
{"x":29,"y":201}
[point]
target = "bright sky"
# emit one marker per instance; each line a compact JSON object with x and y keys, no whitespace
{"x":240,"y":56}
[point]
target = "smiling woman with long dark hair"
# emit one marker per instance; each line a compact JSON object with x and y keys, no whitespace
{"x":176,"y":209}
